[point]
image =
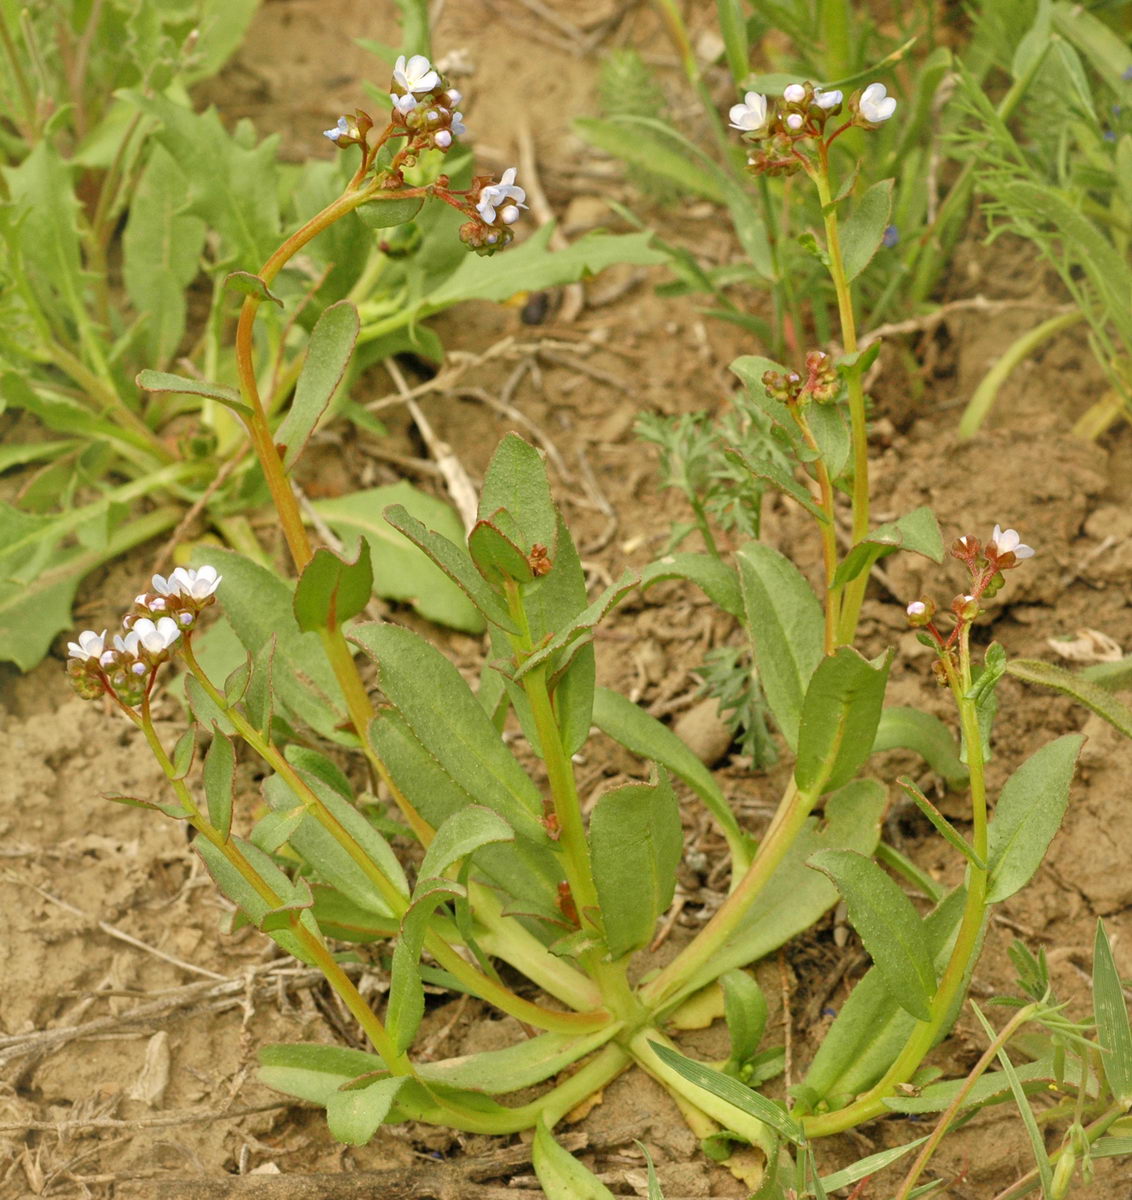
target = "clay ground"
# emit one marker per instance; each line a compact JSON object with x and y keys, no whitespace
{"x":129,"y":1018}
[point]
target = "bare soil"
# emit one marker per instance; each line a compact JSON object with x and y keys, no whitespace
{"x":130,"y":1018}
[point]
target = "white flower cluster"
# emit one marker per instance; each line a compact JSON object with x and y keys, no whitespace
{"x":873,"y":106}
{"x":502,"y":200}
{"x":146,"y":641}
{"x":416,"y":93}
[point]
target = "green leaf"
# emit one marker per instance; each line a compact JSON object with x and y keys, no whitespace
{"x":918,"y":532}
{"x":715,"y":579}
{"x":785,"y":625}
{"x":329,"y":351}
{"x":445,"y":716}
{"x":182,"y":385}
{"x":516,"y":482}
{"x":1028,"y":814}
{"x":942,"y":825}
{"x":184,"y":752}
{"x":797,"y":896}
{"x":405,"y":1009}
{"x":636,"y":842}
{"x":382,"y":213}
{"x":888,"y":925}
{"x":333,"y":589}
{"x":313,"y":1072}
{"x":496,"y":556}
{"x":161,"y":249}
{"x":532,"y":267}
{"x":645,"y":148}
{"x":871,"y":1164}
{"x":249,"y":284}
{"x":733,"y":1092}
{"x":276,"y":920}
{"x":356,"y":1114}
{"x":871,"y":1029}
{"x":839,"y":721}
{"x":560,"y":1174}
{"x":1111,"y":1015}
{"x":736,"y":44}
{"x":461,"y":834}
{"x":862,"y":234}
{"x":989,"y":1088}
{"x":912,"y":729}
{"x":643,"y":734}
{"x":745,"y":1012}
{"x":219,"y":777}
{"x":1092,"y":695}
{"x":581,"y":624}
{"x":519,"y":1065}
{"x":448,"y":588}
{"x":782,"y":479}
{"x":328,"y":857}
{"x":259,"y":606}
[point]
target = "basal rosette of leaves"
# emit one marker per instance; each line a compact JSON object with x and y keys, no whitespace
{"x":103,"y":461}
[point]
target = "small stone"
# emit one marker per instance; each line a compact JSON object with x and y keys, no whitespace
{"x":584,"y":213}
{"x":705,"y":732}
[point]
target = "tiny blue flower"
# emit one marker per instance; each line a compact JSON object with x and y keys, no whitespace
{"x":339,"y":130}
{"x":891,"y":237}
{"x":1109,"y":135}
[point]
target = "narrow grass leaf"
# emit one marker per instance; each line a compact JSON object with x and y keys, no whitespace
{"x":1111,"y":1015}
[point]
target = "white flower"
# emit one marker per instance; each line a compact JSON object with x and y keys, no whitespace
{"x":153,"y":638}
{"x":342,"y":129}
{"x":416,"y":75}
{"x":495,"y":196}
{"x":454,"y":97}
{"x":917,"y":608}
{"x":876,"y":105}
{"x":189,"y":583}
{"x":458,"y":126}
{"x":90,"y":645}
{"x":827,"y":100}
{"x":794,"y":94}
{"x":795,"y":121}
{"x":1009,"y":541}
{"x":749,"y":116}
{"x":444,"y":139}
{"x":403,"y":104}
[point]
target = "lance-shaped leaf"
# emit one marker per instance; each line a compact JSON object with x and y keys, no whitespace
{"x":326,"y":854}
{"x":520,"y":1065}
{"x":382,"y":213}
{"x":219,"y":774}
{"x":332,"y":589}
{"x":497,"y":556}
{"x":1111,"y":1015}
{"x":863,"y":232}
{"x":356,"y":1113}
{"x":444,"y":715}
{"x":1028,"y":814}
{"x":635,"y":846}
{"x":745,"y":1012}
{"x":639,"y":731}
{"x":918,"y":532}
{"x":516,"y":481}
{"x":840,"y":715}
{"x":715,"y":579}
{"x":182,"y":385}
{"x":912,"y":729}
{"x":292,"y":899}
{"x":888,"y":925}
{"x":782,"y":479}
{"x":406,"y":995}
{"x":784,"y":623}
{"x":462,"y":833}
{"x":560,"y":1174}
{"x":1093,"y":695}
{"x":249,"y":284}
{"x":328,"y":355}
{"x":455,"y":562}
{"x":732,"y":1092}
{"x":313,"y":1072}
{"x":401,"y":570}
{"x":581,"y":624}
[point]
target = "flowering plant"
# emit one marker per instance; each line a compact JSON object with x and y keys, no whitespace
{"x":509,"y":867}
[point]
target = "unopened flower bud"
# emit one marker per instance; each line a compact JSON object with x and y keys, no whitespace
{"x":965,"y":607}
{"x":965,"y":548}
{"x":794,"y":94}
{"x":920,"y":612}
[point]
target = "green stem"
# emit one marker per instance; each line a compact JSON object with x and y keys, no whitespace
{"x":311,"y":942}
{"x":931,"y":1145}
{"x":481,"y":984}
{"x":827,"y":529}
{"x":926,"y":1033}
{"x":854,"y":591}
{"x":692,"y":967}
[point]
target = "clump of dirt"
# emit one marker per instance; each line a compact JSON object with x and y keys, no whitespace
{"x":131,"y":1016}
